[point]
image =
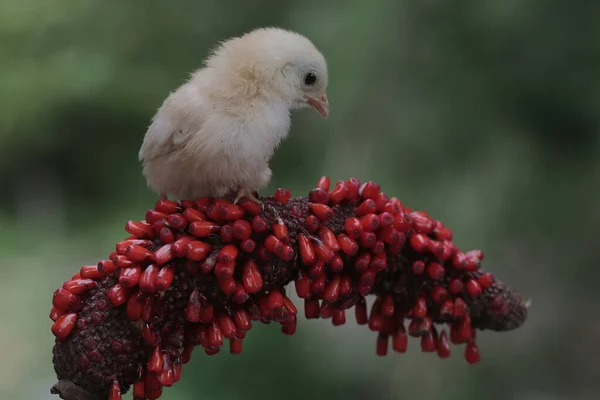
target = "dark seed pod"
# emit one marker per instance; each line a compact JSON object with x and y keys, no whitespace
{"x":199,"y":272}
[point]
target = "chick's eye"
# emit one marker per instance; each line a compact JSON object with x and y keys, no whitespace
{"x":310,"y":79}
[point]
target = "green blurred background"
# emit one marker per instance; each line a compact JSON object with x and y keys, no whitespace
{"x":483,"y":113}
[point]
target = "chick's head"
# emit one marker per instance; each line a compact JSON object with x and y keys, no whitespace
{"x":277,"y":65}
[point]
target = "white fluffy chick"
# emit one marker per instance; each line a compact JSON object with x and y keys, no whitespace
{"x":214,"y":135}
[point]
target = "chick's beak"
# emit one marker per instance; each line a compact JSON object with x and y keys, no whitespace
{"x":320,"y":104}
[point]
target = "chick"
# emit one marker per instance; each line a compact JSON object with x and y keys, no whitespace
{"x":215,"y":135}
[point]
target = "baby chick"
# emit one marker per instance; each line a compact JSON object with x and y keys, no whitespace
{"x":214,"y":135}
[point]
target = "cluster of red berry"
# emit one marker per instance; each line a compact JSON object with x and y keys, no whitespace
{"x":199,"y":272}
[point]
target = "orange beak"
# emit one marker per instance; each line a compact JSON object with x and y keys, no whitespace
{"x":320,"y":104}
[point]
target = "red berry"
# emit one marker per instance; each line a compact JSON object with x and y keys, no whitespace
{"x":443,"y":345}
{"x":332,"y":291}
{"x":242,"y":229}
{"x":386,"y":219}
{"x":366,"y":282}
{"x":148,"y":280}
{"x":460,"y":308}
{"x":307,"y":253}
{"x":319,"y":196}
{"x":177,"y":221}
{"x":418,"y":267}
{"x":64,"y":325}
{"x":203,"y":228}
{"x":311,"y":308}
{"x":447,"y":309}
{"x":251,"y":277}
{"x":280,"y":231}
{"x":339,"y":193}
{"x":178,"y":246}
{"x":476,"y":254}
{"x":353,"y":227}
{"x":362,"y":262}
{"x":473,"y":288}
{"x":282,"y":195}
{"x":400,"y":340}
{"x":421,"y":222}
{"x":369,"y":222}
{"x":153,"y":216}
{"x":382,"y":344}
{"x":323,"y":251}
{"x":347,"y":245}
{"x":361,"y":312}
{"x":142,"y":230}
{"x":202,"y":203}
{"x":207,"y":265}
{"x":367,"y":239}
{"x":471,"y":264}
{"x":231,"y":212}
{"x":369,"y":190}
{"x":194,"y":215}
{"x":402,"y":222}
{"x":459,"y":260}
{"x":419,"y":242}
{"x":366,"y":207}
{"x":55,"y":313}
{"x":91,"y":272}
{"x":376,"y":320}
{"x":118,"y":295}
{"x":328,"y":237}
{"x":345,"y":286}
{"x":303,"y":286}
{"x":321,"y":211}
{"x":167,"y":206}
{"x":429,"y":341}
{"x":122,"y":246}
{"x":455,"y":286}
{"x":224,"y":270}
{"x":311,"y":223}
{"x":79,"y":286}
{"x":317,"y":285}
{"x":337,"y":264}
{"x":352,"y":185}
{"x":378,"y":262}
{"x":226,"y":233}
{"x":156,"y":360}
{"x":197,"y":250}
{"x":438,"y":294}
{"x":420,"y":308}
{"x":273,"y":244}
{"x":472,"y":353}
{"x":391,"y":235}
{"x":435,"y":271}
{"x":338,"y":318}
{"x":259,"y":224}
{"x":443,"y":233}
{"x":387,"y":306}
{"x":164,"y":254}
{"x":240,"y":296}
{"x":249,"y":206}
{"x":130,"y":276}
{"x":487,"y":280}
{"x":228,"y":253}
{"x":139,"y":254}
{"x":227,"y":326}
{"x":324,"y":183}
{"x":248,"y":245}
